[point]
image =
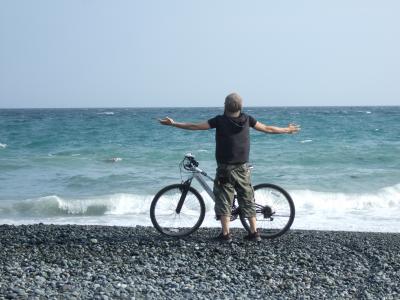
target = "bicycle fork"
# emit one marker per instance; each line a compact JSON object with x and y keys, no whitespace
{"x":186,"y":186}
{"x":184,"y":189}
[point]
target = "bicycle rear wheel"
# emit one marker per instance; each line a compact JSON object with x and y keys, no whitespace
{"x":275,"y":210}
{"x":164,"y":215}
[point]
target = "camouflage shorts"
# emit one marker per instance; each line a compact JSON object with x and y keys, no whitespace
{"x":231,"y":178}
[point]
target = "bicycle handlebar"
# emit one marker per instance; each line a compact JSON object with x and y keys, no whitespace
{"x":189,"y":162}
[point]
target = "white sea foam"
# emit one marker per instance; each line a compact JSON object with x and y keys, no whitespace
{"x":379,"y":211}
{"x":114,"y":159}
{"x":387,"y":198}
{"x":108,"y":113}
{"x":2,"y":146}
{"x":306,"y":141}
{"x":364,"y":111}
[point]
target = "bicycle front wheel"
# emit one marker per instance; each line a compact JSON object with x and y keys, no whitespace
{"x":171,"y":221}
{"x":275,"y":210}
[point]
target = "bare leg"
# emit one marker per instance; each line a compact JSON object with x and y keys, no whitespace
{"x":253,"y":224}
{"x":225,"y":224}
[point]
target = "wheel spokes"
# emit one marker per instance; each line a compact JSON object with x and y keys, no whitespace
{"x":273,"y":210}
{"x":171,"y":222}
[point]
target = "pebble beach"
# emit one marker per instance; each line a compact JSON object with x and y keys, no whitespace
{"x":107,"y":262}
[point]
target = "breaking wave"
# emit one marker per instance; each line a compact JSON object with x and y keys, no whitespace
{"x":386,"y":198}
{"x":52,"y":206}
{"x":379,"y":211}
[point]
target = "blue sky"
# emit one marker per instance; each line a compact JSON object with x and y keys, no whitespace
{"x":94,"y":53}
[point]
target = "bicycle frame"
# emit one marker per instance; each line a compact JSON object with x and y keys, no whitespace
{"x":198,"y":175}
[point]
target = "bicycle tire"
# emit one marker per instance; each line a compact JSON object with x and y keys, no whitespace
{"x":166,"y":204}
{"x":267,"y":211}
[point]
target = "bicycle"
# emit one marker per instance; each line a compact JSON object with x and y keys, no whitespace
{"x":178,"y":210}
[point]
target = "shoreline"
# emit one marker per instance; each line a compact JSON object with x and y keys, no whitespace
{"x":104,"y":262}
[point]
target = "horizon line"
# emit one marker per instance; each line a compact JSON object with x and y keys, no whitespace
{"x":158,"y":107}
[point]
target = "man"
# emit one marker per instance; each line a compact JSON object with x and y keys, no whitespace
{"x":232,"y":155}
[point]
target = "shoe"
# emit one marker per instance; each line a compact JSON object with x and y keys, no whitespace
{"x":254,"y":237}
{"x":226,"y":238}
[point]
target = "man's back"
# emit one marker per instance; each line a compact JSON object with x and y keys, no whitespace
{"x":232,"y":138}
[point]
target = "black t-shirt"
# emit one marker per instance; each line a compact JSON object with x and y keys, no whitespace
{"x":232,"y":138}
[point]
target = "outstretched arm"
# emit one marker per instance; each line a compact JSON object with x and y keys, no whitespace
{"x":189,"y":126}
{"x":292,"y":128}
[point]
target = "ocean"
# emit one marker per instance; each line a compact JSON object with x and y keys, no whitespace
{"x":103,"y":166}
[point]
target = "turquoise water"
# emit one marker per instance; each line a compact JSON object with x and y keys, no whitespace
{"x":104,"y":165}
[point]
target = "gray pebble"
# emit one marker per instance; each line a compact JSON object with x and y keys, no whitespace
{"x":40,"y":261}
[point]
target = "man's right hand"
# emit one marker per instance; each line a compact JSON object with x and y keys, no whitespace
{"x":293,"y":128}
{"x":166,"y":121}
